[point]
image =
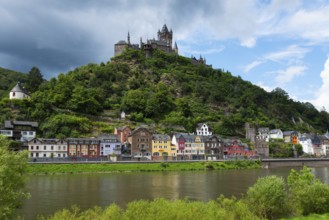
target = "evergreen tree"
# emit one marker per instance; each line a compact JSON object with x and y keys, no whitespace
{"x":34,"y":80}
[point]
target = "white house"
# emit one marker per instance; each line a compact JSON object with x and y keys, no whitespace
{"x":47,"y":148}
{"x":109,"y":144}
{"x":18,"y":93}
{"x":203,"y":130}
{"x":306,"y":143}
{"x":263,"y":134}
{"x":276,"y":134}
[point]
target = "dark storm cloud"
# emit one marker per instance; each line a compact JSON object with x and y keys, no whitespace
{"x":57,"y":36}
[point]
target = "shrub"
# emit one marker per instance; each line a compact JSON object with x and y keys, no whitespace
{"x":308,"y":194}
{"x":268,"y":197}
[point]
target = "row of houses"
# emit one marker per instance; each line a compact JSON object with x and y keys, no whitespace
{"x":313,"y":144}
{"x":141,"y":144}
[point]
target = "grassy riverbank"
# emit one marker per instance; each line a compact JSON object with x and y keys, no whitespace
{"x":139,"y":167}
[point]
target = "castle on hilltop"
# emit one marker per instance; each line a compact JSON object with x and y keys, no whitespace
{"x":164,"y":43}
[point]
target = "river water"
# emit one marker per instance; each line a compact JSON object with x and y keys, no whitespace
{"x":50,"y":193}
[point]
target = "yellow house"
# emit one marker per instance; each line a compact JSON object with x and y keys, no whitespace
{"x":162,"y":148}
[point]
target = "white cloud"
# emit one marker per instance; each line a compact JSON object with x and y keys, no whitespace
{"x":322,"y":99}
{"x":291,"y":54}
{"x":251,"y":42}
{"x":285,"y":76}
{"x":253,"y":65}
{"x":309,"y":24}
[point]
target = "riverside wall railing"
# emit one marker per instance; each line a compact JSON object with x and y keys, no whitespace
{"x":295,"y":162}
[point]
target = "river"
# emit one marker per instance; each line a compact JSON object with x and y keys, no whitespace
{"x":50,"y":193}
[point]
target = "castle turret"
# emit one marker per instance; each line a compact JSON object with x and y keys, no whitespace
{"x":128,"y":38}
{"x":176,"y":48}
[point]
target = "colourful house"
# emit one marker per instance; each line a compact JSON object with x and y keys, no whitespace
{"x":236,"y":149}
{"x":83,"y":147}
{"x":162,"y":149}
{"x":140,"y":141}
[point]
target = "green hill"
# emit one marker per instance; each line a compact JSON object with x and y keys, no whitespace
{"x":166,"y":92}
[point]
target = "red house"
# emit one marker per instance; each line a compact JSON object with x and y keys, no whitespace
{"x":238,"y":150}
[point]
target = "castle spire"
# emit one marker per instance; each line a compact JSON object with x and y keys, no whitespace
{"x":128,"y":38}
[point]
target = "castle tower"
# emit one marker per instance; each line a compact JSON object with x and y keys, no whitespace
{"x":165,"y":35}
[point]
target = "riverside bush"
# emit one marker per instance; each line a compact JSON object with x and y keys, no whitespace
{"x":268,"y":197}
{"x":308,"y":194}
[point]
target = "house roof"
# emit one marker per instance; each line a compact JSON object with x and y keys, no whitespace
{"x":122,"y":128}
{"x":138,"y":129}
{"x":327,"y":134}
{"x":18,"y":88}
{"x":275,"y":131}
{"x":108,"y":136}
{"x":286,"y":133}
{"x":161,"y":137}
{"x":315,"y":139}
{"x":11,"y":124}
{"x":263,"y":129}
{"x":48,"y":140}
{"x":208,"y":138}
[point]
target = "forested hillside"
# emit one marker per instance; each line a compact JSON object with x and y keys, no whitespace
{"x":8,"y":80}
{"x":166,"y":91}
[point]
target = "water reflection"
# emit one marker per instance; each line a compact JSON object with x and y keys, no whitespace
{"x":54,"y":192}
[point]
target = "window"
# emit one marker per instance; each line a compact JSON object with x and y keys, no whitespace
{"x":37,"y":155}
{"x":31,"y":154}
{"x":37,"y":147}
{"x":59,"y":147}
{"x":44,"y":155}
{"x":31,"y":132}
{"x":156,"y":154}
{"x":24,"y":133}
{"x":64,"y":148}
{"x":52,"y":147}
{"x":31,"y":147}
{"x":44,"y":147}
{"x":14,"y":94}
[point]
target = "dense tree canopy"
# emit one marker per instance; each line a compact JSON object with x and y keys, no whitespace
{"x":34,"y":80}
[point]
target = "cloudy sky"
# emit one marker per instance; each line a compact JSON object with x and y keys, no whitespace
{"x":272,"y":43}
